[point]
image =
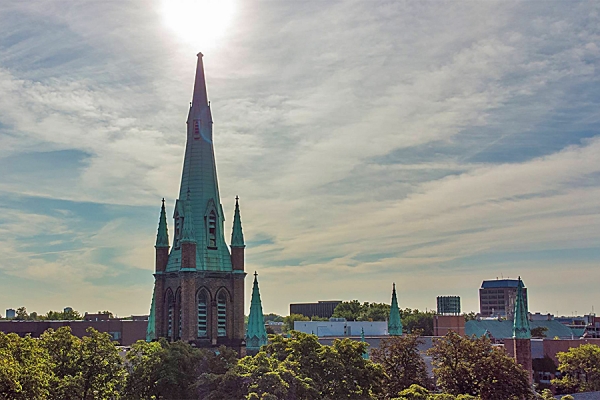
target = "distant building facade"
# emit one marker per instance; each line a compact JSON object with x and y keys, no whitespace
{"x":443,"y":324}
{"x":497,"y":298}
{"x":125,"y":332}
{"x":321,"y":309}
{"x":342,"y":328}
{"x":448,"y":305}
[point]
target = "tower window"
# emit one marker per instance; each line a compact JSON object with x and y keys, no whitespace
{"x":196,"y":129}
{"x":179,"y":317}
{"x":178,"y":225}
{"x":170,"y":311}
{"x":212,"y":230}
{"x":202,"y":316}
{"x":222,"y":314}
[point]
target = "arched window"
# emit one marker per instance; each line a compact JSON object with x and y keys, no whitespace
{"x":212,"y":230}
{"x":222,"y":314}
{"x":202,"y":315}
{"x":170,"y":311}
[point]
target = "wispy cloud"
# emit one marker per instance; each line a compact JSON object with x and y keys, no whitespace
{"x":434,"y":144}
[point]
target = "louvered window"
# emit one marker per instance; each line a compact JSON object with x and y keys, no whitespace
{"x":222,"y":315}
{"x":202,"y":315}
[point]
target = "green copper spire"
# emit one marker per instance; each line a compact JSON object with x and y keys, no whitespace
{"x":150,"y":330}
{"x":394,"y":323}
{"x":256,"y":335}
{"x":237,"y":236}
{"x":162,"y":237}
{"x":187,"y":236}
{"x":521,"y":328}
{"x":365,"y":355}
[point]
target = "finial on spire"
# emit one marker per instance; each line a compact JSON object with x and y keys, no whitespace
{"x":255,"y":274}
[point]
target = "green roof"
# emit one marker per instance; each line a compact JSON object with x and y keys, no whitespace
{"x":521,"y":320}
{"x":162,"y":236}
{"x":237,"y":235}
{"x":394,"y":323}
{"x":256,"y":334}
{"x":504,"y":329}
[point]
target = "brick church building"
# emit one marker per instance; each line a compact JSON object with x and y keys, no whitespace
{"x":199,"y":279}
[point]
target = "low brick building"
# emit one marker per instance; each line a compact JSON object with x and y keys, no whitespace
{"x":125,"y":332}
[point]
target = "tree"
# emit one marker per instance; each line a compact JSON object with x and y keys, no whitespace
{"x":21,"y":314}
{"x":273,"y":317}
{"x":25,"y":368}
{"x":290,"y":319}
{"x":470,"y":316}
{"x":348,"y":309}
{"x":374,"y":312}
{"x":417,"y":321}
{"x":337,"y":371}
{"x":580,"y":369}
{"x":473,"y":366}
{"x":416,"y":392}
{"x":402,"y":362}
{"x":539,"y":332}
{"x":107,"y":313}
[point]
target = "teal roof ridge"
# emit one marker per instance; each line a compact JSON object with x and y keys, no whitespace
{"x":187,"y":235}
{"x":394,"y":323}
{"x":521,"y":329}
{"x":237,"y":235}
{"x":162,"y":236}
{"x":256,"y":335}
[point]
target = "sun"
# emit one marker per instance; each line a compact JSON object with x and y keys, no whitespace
{"x":200,"y":23}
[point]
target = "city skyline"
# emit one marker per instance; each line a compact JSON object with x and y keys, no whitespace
{"x":434,"y":145}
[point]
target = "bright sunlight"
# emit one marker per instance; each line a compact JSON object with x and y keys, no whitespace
{"x":199,"y":23}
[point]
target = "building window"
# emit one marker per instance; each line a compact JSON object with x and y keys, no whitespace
{"x":196,"y":129}
{"x":212,"y":230}
{"x":202,"y":316}
{"x":222,"y":314}
{"x":179,"y":317}
{"x":178,"y":225}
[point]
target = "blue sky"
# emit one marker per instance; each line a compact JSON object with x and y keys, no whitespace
{"x":431,"y":144}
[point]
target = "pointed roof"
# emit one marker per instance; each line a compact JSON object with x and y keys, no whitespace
{"x":394,"y":323}
{"x":256,"y":335}
{"x":162,"y":236}
{"x":199,"y":176}
{"x":151,"y":329}
{"x":188,"y":236}
{"x":237,"y":236}
{"x":521,"y":329}
{"x":365,"y":354}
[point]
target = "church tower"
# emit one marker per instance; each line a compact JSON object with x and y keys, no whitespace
{"x":199,"y":285}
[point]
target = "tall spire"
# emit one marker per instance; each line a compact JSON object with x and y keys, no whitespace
{"x":237,"y":236}
{"x":188,"y":236}
{"x":521,"y":328}
{"x":394,"y":323}
{"x":256,"y":335}
{"x":162,"y":237}
{"x":200,"y":97}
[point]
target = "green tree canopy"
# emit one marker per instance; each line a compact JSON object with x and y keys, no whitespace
{"x":580,"y":369}
{"x":473,"y":366}
{"x":402,"y":362}
{"x":289,"y":320}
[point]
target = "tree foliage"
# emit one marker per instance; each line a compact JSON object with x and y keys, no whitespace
{"x":290,"y":319}
{"x":539,"y":331}
{"x":473,"y":366}
{"x":402,"y":362}
{"x":580,"y":369}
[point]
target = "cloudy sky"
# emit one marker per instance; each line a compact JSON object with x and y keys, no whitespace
{"x":431,"y":144}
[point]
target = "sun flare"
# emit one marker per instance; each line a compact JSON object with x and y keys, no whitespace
{"x":200,"y":23}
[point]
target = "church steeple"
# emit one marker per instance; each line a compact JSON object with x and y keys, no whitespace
{"x":394,"y":323}
{"x":521,"y":329}
{"x":256,"y":335}
{"x":237,"y":236}
{"x":162,"y":236}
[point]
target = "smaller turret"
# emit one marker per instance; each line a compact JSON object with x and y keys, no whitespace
{"x":256,"y":335}
{"x":237,"y":240}
{"x":394,"y":323}
{"x":521,"y":329}
{"x":162,"y":241}
{"x":365,"y":354}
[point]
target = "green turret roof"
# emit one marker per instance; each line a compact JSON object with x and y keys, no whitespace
{"x":521,"y":328}
{"x":394,"y":323}
{"x":365,"y":354}
{"x":237,"y":236}
{"x":256,"y":335}
{"x":162,"y":236}
{"x":150,"y":330}
{"x":188,"y":236}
